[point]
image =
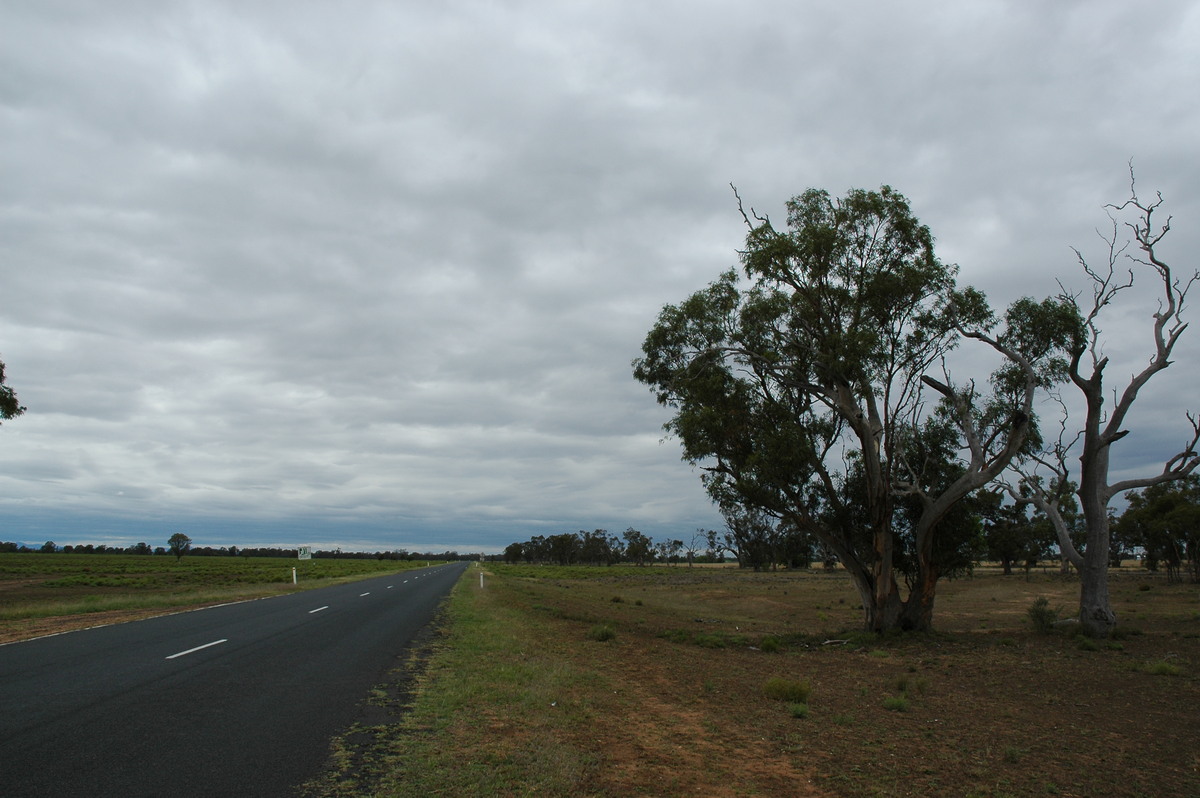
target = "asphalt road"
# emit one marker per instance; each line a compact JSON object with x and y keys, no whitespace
{"x":239,"y":700}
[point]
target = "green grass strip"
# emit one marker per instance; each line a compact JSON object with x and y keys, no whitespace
{"x":490,"y":716}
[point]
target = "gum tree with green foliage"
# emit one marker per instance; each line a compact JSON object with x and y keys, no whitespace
{"x":9,"y":406}
{"x":814,"y":388}
{"x":1048,"y":476}
{"x":1164,"y":520}
{"x":179,"y":544}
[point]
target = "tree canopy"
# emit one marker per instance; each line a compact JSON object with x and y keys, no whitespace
{"x":9,"y":406}
{"x":814,"y":387}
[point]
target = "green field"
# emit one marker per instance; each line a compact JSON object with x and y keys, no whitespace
{"x":65,"y":586}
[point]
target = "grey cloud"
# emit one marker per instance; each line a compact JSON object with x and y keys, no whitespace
{"x":387,"y":265}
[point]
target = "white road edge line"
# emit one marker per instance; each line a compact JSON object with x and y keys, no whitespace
{"x":318,"y":609}
{"x":198,"y":648}
{"x":360,"y":595}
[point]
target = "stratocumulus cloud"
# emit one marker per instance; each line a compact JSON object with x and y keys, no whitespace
{"x":375,"y":273}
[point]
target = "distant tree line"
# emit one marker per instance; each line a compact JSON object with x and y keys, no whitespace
{"x":144,"y":549}
{"x":1161,"y":527}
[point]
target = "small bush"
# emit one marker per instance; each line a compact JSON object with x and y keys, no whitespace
{"x":798,"y":710}
{"x":617,"y":599}
{"x":769,"y":644}
{"x":896,"y":703}
{"x":1042,"y":616}
{"x":1087,"y":644}
{"x":790,"y":690}
{"x":602,"y":633}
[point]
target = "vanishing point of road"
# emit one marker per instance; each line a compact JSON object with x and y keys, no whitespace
{"x":237,"y":700}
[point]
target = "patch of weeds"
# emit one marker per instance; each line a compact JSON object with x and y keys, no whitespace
{"x":637,"y":603}
{"x":617,"y":600}
{"x":843,"y":719}
{"x":879,"y":653}
{"x":769,"y":644}
{"x":1114,"y":645}
{"x":790,"y":690}
{"x":908,"y":684}
{"x":798,"y":710}
{"x":602,"y":633}
{"x":1042,"y":616}
{"x":896,"y":703}
{"x":710,"y":641}
{"x":1162,"y":668}
{"x":1012,"y":754}
{"x":677,"y":636}
{"x":1086,"y":644}
{"x":1007,"y":641}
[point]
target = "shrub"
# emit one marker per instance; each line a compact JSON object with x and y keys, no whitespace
{"x":602,"y":633}
{"x":896,"y":703}
{"x":1042,"y":616}
{"x":790,"y":690}
{"x":798,"y":710}
{"x":769,"y":644}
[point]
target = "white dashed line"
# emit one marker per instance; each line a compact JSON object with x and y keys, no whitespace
{"x":198,"y":648}
{"x":318,"y":609}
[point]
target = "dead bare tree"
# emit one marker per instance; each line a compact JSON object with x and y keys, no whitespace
{"x":1102,"y":427}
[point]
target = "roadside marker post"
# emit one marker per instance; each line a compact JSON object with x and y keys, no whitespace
{"x":293,"y":576}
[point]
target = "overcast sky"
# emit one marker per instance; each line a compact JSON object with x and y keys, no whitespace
{"x":372,"y":274}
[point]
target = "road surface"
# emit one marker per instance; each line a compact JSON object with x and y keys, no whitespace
{"x":239,"y":700}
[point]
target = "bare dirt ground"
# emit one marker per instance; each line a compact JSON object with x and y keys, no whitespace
{"x":985,"y":707}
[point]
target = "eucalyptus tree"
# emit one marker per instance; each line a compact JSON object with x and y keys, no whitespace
{"x":179,"y":544}
{"x":9,"y":406}
{"x":806,"y":386}
{"x":1164,"y":520}
{"x":1049,"y":476}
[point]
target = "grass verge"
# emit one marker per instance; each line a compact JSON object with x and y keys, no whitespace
{"x":491,"y":716}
